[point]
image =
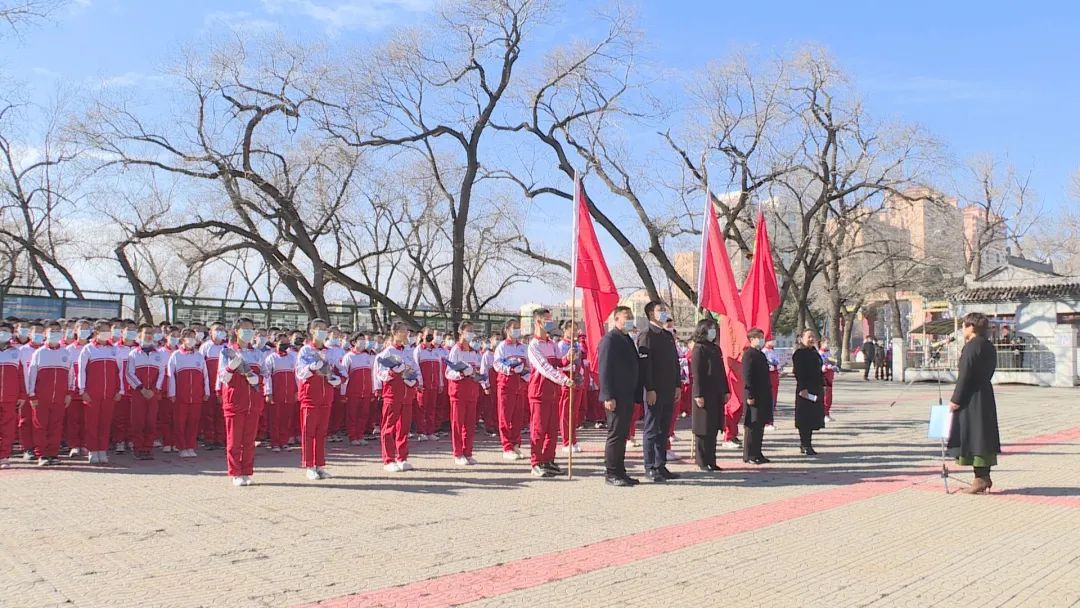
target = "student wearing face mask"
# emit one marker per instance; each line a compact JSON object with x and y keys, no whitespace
{"x":145,"y":379}
{"x":511,"y":364}
{"x":212,"y":424}
{"x":317,"y":378}
{"x":709,"y":391}
{"x":486,"y":404}
{"x":240,"y":379}
{"x":430,"y":363}
{"x":121,"y":425}
{"x":12,"y":391}
{"x":335,"y":352}
{"x":279,"y":373}
{"x":356,"y":366}
{"x":442,"y":407}
{"x":48,"y":391}
{"x":544,"y":387}
{"x":100,"y":389}
{"x":465,"y":386}
{"x":34,"y":332}
{"x":74,"y":423}
{"x":189,"y":388}
{"x":170,"y":342}
{"x":576,"y":370}
{"x":659,"y":362}
{"x":394,"y":373}
{"x":757,"y":396}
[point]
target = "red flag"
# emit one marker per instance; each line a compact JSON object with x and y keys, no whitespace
{"x":599,"y":295}
{"x":718,"y":292}
{"x":760,"y":293}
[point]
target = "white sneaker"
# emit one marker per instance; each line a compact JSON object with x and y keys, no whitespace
{"x":275,"y":449}
{"x":237,"y":481}
{"x":564,"y":449}
{"x":769,"y":427}
{"x":166,"y":449}
{"x":192,"y":453}
{"x":828,"y":419}
{"x":674,"y":438}
{"x":471,"y":460}
{"x":672,"y":456}
{"x":577,"y":449}
{"x":28,"y":456}
{"x":157,"y":443}
{"x":312,"y":474}
{"x":120,"y":447}
{"x":4,"y":465}
{"x":404,"y":465}
{"x":730,"y":445}
{"x":354,"y":442}
{"x":461,"y":461}
{"x":248,"y":481}
{"x":92,"y":458}
{"x":392,"y":467}
{"x":42,"y":462}
{"x":631,"y":443}
{"x":421,"y":437}
{"x":103,"y":457}
{"x":517,"y":451}
{"x":510,"y":455}
{"x":361,"y":442}
{"x":322,"y":473}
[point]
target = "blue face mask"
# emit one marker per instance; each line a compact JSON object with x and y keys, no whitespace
{"x":627,"y":325}
{"x":84,"y":334}
{"x":663,"y":316}
{"x":515,"y":333}
{"x":245,"y":335}
{"x":550,"y":326}
{"x":5,"y":336}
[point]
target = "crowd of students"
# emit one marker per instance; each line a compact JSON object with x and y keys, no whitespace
{"x":90,"y":388}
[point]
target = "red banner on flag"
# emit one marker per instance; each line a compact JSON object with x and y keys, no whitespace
{"x":760,"y":293}
{"x":599,"y":295}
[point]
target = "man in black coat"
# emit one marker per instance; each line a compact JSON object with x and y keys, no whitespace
{"x":620,"y":388}
{"x":661,"y":376}
{"x":757,"y":396}
{"x":869,"y":349}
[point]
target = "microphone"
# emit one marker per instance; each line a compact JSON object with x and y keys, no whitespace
{"x":942,"y":343}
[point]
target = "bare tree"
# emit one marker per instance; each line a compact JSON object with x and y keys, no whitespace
{"x":17,"y":13}
{"x":1000,"y":210}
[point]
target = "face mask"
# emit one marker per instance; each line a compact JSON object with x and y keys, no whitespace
{"x":550,"y":326}
{"x":219,"y":335}
{"x":5,"y":336}
{"x":319,"y":334}
{"x":711,"y":334}
{"x":148,"y":344}
{"x":515,"y":333}
{"x":24,"y":332}
{"x":129,"y":335}
{"x":448,"y":344}
{"x":259,"y":341}
{"x":116,"y":332}
{"x":103,"y":336}
{"x":84,"y":334}
{"x":469,"y":336}
{"x":69,"y":334}
{"x":282,"y":347}
{"x":189,"y":343}
{"x":245,"y":335}
{"x":628,"y":325}
{"x":474,"y":345}
{"x":158,"y":337}
{"x":663,"y":316}
{"x":37,"y":339}
{"x":334,"y":342}
{"x":53,"y":338}
{"x":200,"y":336}
{"x":371,"y":344}
{"x":173,"y":341}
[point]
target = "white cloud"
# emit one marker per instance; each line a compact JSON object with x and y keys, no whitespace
{"x":339,"y":15}
{"x":238,"y":21}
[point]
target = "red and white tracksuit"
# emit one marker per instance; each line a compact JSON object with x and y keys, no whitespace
{"x":100,"y":380}
{"x":242,"y":402}
{"x":26,"y":414}
{"x":511,"y":392}
{"x":145,"y":371}
{"x":397,"y":411}
{"x":430,"y":363}
{"x":442,"y":404}
{"x":189,"y":388}
{"x":464,"y":391}
{"x":74,"y":427}
{"x":212,"y":423}
{"x":486,"y":405}
{"x":166,"y":419}
{"x":12,"y":389}
{"x":544,"y":399}
{"x":279,"y":374}
{"x":357,"y":367}
{"x":568,"y":427}
{"x":121,"y":424}
{"x":316,"y":392}
{"x":334,"y":354}
{"x":49,"y":381}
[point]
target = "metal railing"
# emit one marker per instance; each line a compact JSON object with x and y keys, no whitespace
{"x":1030,"y":357}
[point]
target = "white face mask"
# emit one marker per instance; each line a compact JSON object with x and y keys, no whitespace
{"x":53,"y":338}
{"x":103,"y":336}
{"x":37,"y":339}
{"x":711,"y":334}
{"x":129,"y":335}
{"x":219,"y":335}
{"x":319,"y":334}
{"x":663,"y":316}
{"x":5,"y":336}
{"x":245,"y":335}
{"x":84,"y":334}
{"x":515,"y":333}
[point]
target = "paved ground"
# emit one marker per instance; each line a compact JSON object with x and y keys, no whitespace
{"x":863,"y":524}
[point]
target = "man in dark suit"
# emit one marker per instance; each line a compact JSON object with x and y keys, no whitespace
{"x":660,"y":373}
{"x":758,"y":396}
{"x":868,"y":350}
{"x":619,"y":389}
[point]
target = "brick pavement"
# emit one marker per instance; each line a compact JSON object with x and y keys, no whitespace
{"x":862,"y":524}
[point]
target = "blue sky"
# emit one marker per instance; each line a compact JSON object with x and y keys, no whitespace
{"x":997,"y":77}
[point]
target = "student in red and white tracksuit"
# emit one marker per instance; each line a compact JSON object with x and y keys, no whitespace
{"x":212,"y":424}
{"x":430,"y":363}
{"x":511,"y":388}
{"x":486,"y":406}
{"x":100,"y":387}
{"x":242,"y":400}
{"x":12,"y":391}
{"x":48,"y":389}
{"x":395,"y":376}
{"x":121,"y":424}
{"x":575,"y":369}
{"x":317,"y":379}
{"x":357,"y":366}
{"x":279,"y":375}
{"x":74,"y":424}
{"x":334,"y":354}
{"x":464,"y":390}
{"x":189,"y":388}
{"x":145,"y":379}
{"x":34,"y":339}
{"x":170,"y":343}
{"x":442,"y":405}
{"x":544,"y":388}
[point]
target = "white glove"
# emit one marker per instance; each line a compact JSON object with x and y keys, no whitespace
{"x":235,"y":362}
{"x":316,"y":366}
{"x":334,"y":380}
{"x":253,"y":380}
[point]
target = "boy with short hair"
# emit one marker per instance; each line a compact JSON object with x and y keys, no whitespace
{"x":100,"y":388}
{"x":48,"y":390}
{"x":145,"y":379}
{"x":189,"y":388}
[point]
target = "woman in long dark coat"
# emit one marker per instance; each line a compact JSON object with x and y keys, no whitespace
{"x":710,"y":392}
{"x":974,"y":438}
{"x":809,"y":391}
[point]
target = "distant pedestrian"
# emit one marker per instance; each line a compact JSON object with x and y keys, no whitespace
{"x":868,"y":350}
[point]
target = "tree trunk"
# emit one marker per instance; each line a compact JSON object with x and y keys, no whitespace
{"x":142,"y":306}
{"x":897,"y":321}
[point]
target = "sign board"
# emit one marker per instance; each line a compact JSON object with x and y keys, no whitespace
{"x":91,"y":309}
{"x":33,"y":307}
{"x":937,"y":306}
{"x":940,"y":422}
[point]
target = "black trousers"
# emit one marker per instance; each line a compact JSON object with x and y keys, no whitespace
{"x":618,"y":423}
{"x":806,"y":438}
{"x":705,"y":449}
{"x":657,"y":427}
{"x":866,"y":372}
{"x":754,"y":436}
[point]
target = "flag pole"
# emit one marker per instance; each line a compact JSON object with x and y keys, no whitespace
{"x":700,"y":287}
{"x":571,"y":429}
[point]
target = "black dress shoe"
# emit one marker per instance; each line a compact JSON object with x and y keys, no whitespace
{"x":667,"y":474}
{"x":802,"y":449}
{"x":810,"y":452}
{"x":554,"y":468}
{"x":618,"y":482}
{"x":655,"y":476}
{"x":631,"y":480}
{"x":761,"y":460}
{"x":709,"y":468}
